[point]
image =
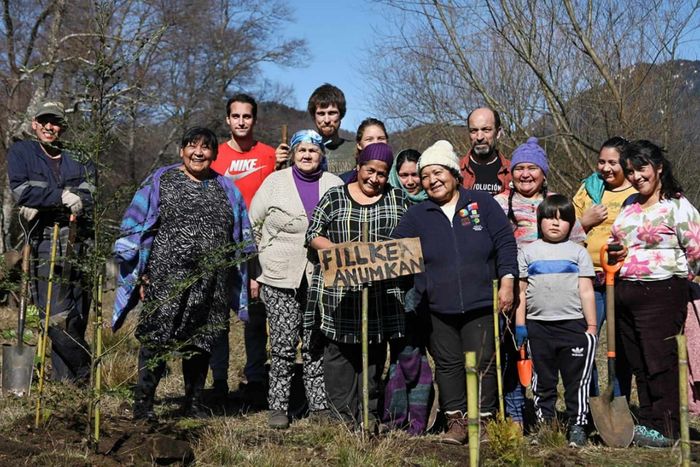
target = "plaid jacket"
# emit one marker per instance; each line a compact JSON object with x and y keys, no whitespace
{"x":336,"y":310}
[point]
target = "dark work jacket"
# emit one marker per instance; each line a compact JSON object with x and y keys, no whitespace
{"x":464,"y":256}
{"x":35,"y":185}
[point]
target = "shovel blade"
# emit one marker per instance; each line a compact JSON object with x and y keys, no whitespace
{"x":525,"y":372}
{"x":613,"y":420}
{"x":17,"y":369}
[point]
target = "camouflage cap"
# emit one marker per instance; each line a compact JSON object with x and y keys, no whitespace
{"x":51,"y":108}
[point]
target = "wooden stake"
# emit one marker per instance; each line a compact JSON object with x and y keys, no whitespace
{"x":472,"y":407}
{"x":45,"y":335}
{"x":365,"y":343}
{"x":683,"y":393}
{"x":284,"y":133}
{"x":98,"y":357}
{"x":497,"y":342}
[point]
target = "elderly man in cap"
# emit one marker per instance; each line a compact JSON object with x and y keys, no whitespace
{"x":50,"y":186}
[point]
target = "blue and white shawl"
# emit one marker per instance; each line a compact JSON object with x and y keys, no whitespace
{"x":137,"y":230}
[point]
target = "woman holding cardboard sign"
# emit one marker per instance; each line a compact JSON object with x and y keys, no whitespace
{"x":338,"y":218}
{"x":467,"y":242}
{"x":280,"y":213}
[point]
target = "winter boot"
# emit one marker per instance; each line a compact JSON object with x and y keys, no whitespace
{"x":456,"y":428}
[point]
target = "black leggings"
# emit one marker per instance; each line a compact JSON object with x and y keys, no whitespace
{"x":450,"y":337}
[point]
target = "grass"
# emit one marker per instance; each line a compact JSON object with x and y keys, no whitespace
{"x":244,"y":438}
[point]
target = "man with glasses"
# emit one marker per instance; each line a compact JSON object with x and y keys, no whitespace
{"x":50,"y":186}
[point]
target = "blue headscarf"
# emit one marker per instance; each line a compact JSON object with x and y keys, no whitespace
{"x":306,"y":136}
{"x":309,"y":136}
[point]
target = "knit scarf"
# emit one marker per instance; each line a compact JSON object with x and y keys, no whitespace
{"x":307,"y":187}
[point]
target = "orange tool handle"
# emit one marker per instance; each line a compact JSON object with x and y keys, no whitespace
{"x":610,"y":269}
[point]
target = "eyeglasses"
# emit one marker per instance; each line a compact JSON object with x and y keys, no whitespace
{"x":52,"y":119}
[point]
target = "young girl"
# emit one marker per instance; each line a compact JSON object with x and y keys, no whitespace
{"x":556,"y":294}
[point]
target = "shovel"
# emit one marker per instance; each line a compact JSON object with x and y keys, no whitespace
{"x":18,"y":360}
{"x":611,"y":415}
{"x":524,"y":368}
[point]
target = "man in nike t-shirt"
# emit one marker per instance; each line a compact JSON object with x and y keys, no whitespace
{"x":247,"y":163}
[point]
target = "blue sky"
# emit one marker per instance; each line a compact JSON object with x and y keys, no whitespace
{"x":338,"y":32}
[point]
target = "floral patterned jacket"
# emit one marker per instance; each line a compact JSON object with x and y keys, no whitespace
{"x":663,"y":240}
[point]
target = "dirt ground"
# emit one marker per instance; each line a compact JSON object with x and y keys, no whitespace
{"x":238,"y":435}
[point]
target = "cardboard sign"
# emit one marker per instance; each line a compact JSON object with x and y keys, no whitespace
{"x":356,"y":263}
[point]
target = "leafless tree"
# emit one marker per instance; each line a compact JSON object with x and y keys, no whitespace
{"x":570,"y":72}
{"x":133,"y":73}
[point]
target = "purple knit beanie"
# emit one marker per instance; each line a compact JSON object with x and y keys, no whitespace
{"x":376,"y":152}
{"x":532,"y":153}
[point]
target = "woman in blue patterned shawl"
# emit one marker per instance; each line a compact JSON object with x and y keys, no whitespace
{"x":184,"y":238}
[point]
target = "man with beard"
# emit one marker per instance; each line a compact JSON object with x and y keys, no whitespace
{"x":484,"y":167}
{"x":50,"y":186}
{"x":327,"y":108}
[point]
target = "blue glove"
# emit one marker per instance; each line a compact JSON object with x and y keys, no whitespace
{"x":520,"y":335}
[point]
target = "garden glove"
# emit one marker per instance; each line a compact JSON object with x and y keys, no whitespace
{"x":28,"y":213}
{"x":520,"y":335}
{"x":72,"y":201}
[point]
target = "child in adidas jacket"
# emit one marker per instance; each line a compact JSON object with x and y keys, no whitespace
{"x":556,"y":315}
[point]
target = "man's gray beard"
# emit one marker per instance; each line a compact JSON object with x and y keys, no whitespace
{"x":484,"y":156}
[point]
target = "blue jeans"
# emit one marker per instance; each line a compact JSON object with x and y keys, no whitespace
{"x":623,"y":382}
{"x":513,"y":391}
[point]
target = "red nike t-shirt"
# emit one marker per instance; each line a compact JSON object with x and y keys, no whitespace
{"x":246,"y":169}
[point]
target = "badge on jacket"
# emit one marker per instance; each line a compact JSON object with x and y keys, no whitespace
{"x":473,"y":213}
{"x":464,"y":217}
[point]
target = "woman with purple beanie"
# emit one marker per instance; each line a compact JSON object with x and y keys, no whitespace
{"x":280,"y":214}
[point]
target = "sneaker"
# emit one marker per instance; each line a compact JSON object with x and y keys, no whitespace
{"x":456,"y":429}
{"x":278,"y":420}
{"x":577,"y":436}
{"x":650,"y":438}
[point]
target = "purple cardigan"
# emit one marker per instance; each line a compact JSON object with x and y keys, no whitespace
{"x":132,"y":249}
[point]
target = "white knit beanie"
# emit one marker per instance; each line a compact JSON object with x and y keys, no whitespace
{"x":441,"y":153}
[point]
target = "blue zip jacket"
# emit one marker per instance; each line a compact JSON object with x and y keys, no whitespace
{"x":34,"y":184}
{"x":464,"y":256}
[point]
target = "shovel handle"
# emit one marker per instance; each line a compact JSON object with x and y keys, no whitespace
{"x":523,"y":355}
{"x":23,"y":293}
{"x":610,"y":269}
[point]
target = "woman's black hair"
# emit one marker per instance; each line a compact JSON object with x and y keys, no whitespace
{"x":197,"y":134}
{"x":554,"y":206}
{"x":642,"y":152}
{"x":616,"y":142}
{"x":410,"y":155}
{"x":511,"y":213}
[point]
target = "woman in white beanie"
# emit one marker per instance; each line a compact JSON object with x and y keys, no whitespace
{"x":467,"y":242}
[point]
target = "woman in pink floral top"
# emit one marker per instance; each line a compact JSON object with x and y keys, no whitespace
{"x":661,"y":231}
